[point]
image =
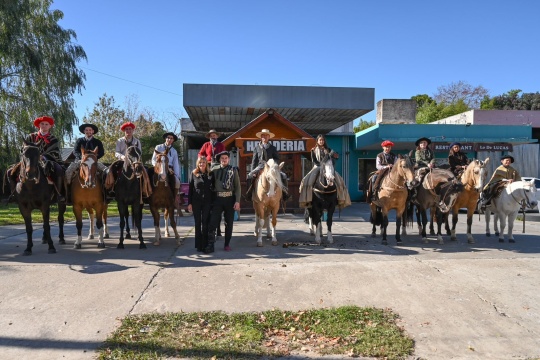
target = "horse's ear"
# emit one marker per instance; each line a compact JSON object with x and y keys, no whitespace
{"x":281,"y":165}
{"x":95,"y":151}
{"x":156,"y":152}
{"x":400,"y":156}
{"x":486,"y":161}
{"x":83,"y":150}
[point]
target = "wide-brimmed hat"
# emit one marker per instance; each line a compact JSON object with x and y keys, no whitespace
{"x":84,"y":126}
{"x":265,"y":131}
{"x":454,"y":144}
{"x":39,"y":120}
{"x":126,"y":125}
{"x":211,"y":132}
{"x":170,"y":134}
{"x":508,"y":157}
{"x":218,"y":156}
{"x":422,"y":139}
{"x":387,"y":143}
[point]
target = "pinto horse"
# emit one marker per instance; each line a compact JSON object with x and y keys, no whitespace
{"x":324,"y":198}
{"x":439,"y":190}
{"x":129,"y":189}
{"x":163,"y":196}
{"x":473,"y":180}
{"x":87,"y":194}
{"x":393,"y":196}
{"x":506,"y":206}
{"x":36,"y":193}
{"x":266,"y":199}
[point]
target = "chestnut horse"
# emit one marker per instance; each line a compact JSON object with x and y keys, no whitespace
{"x":473,"y":180}
{"x":35,"y":192}
{"x":87,"y":194}
{"x":393,"y":196}
{"x":266,"y":199}
{"x":163,"y":196}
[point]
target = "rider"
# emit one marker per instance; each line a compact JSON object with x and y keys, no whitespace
{"x":263,"y":152}
{"x":50,"y":157}
{"x":506,"y":173}
{"x":87,"y":142}
{"x":458,"y":160}
{"x":425,"y":160}
{"x":127,"y":140}
{"x":384,"y":163}
{"x":212,"y":147}
{"x":174,"y":166}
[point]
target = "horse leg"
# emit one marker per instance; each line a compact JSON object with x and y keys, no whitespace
{"x":166,"y":220}
{"x":257,"y":226}
{"x":270,"y":234}
{"x":440,"y":218}
{"x":432,"y":217}
{"x":310,"y":224}
{"x":495,"y":224}
{"x":261,"y":226}
{"x":398,"y":227}
{"x":173,"y":225}
{"x":77,"y":210}
{"x":502,"y":219}
{"x":423,"y":215}
{"x":470,"y":214}
{"x":384,"y":228}
{"x":128,"y":231}
{"x":447,"y":225}
{"x":274,"y":223}
{"x":453,"y":236}
{"x":122,"y":210}
{"x":92,"y":218}
{"x":419,"y":221}
{"x":99,"y":224}
{"x":27,"y":215}
{"x":157,"y":230}
{"x":137,"y":217}
{"x":61,"y":212}
{"x":329,"y":219}
{"x":487,"y":216}
{"x":317,"y":215}
{"x":105,"y":226}
{"x":511,"y":218}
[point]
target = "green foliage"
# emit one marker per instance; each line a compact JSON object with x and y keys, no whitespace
{"x":512,"y":101}
{"x":423,"y":100}
{"x":363,"y":125}
{"x":38,"y":72}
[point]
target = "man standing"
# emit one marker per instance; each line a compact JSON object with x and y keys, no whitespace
{"x":174,"y":165}
{"x":126,"y":141}
{"x":211,"y":148}
{"x":226,"y":201}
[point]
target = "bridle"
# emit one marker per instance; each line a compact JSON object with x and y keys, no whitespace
{"x":133,"y":162}
{"x":26,"y":163}
{"x":88,"y":170}
{"x":162,"y":162}
{"x":330,"y":187}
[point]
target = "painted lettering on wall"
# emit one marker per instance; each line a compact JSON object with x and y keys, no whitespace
{"x":467,"y":147}
{"x":283,"y":146}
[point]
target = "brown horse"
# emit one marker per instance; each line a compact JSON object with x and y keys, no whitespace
{"x":393,"y":196}
{"x":473,"y":180}
{"x":163,"y":196}
{"x":266,"y":199}
{"x":87,"y":194}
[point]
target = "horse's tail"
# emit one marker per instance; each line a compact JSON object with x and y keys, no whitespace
{"x":376,"y":217}
{"x":408,"y":214}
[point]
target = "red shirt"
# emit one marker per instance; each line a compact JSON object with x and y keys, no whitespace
{"x":206,"y":150}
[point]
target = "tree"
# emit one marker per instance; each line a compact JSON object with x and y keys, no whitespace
{"x":452,"y":93}
{"x":432,"y":111}
{"x":423,"y":100}
{"x":512,"y":101}
{"x":38,"y":71}
{"x":363,"y":125}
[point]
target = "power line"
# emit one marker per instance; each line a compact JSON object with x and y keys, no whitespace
{"x":133,"y":82}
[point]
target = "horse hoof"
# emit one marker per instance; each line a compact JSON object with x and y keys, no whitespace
{"x":179,"y":242}
{"x":120,"y":246}
{"x":432,"y":232}
{"x":470,"y":241}
{"x":143,"y":246}
{"x":101,"y":245}
{"x":441,"y":242}
{"x":77,"y":246}
{"x":497,"y":233}
{"x":425,"y":241}
{"x":52,"y":251}
{"x":453,"y":238}
{"x":501,"y":240}
{"x":274,"y":243}
{"x":259,"y":244}
{"x":62,"y":242}
{"x":384,"y":242}
{"x":106,"y":236}
{"x":488,"y":234}
{"x":43,"y":241}
{"x":156,"y":243}
{"x":128,"y":236}
{"x":373,"y":235}
{"x":512,"y":241}
{"x":27,"y":252}
{"x":399,"y":242}
{"x":90,"y":237}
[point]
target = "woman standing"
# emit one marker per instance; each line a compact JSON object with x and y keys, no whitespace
{"x":200,"y":201}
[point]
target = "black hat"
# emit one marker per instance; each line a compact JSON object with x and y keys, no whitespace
{"x":422,"y":139}
{"x":84,"y":126}
{"x":218,"y":156}
{"x":170,"y":134}
{"x":508,"y":157}
{"x":454,"y":144}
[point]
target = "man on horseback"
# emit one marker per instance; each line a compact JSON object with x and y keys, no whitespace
{"x":425,"y":161}
{"x":50,"y":157}
{"x":87,"y":142}
{"x":458,"y":160}
{"x":505,"y":173}
{"x":174,"y":166}
{"x":212,"y":147}
{"x":384,"y":163}
{"x":226,"y":200}
{"x":264,"y":151}
{"x":127,"y":140}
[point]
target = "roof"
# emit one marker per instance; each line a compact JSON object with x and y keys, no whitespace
{"x":316,"y":110}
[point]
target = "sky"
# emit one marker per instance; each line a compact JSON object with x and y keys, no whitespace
{"x":149,"y":49}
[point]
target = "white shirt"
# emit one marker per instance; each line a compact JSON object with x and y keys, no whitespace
{"x":173,"y":158}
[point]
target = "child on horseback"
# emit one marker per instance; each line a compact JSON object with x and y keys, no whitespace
{"x":384,"y":163}
{"x":458,"y":160}
{"x":505,"y":173}
{"x":425,"y":160}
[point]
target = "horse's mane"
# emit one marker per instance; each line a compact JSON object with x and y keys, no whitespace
{"x":274,"y":169}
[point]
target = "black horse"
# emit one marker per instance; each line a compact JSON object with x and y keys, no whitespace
{"x":324,"y":198}
{"x":36,"y":193}
{"x":128,"y":191}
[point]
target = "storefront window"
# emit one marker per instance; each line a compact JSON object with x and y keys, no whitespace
{"x":365,"y":167}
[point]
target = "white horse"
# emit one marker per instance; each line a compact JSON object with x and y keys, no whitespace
{"x":507,"y":205}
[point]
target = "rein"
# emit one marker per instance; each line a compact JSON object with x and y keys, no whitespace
{"x":437,"y":196}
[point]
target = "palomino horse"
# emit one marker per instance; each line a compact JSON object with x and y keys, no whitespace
{"x":324,"y":198}
{"x":439,"y":191}
{"x":129,"y":189}
{"x":87,"y":194}
{"x":507,"y":205}
{"x":473,"y":180}
{"x":163,"y":196}
{"x":393,"y":196}
{"x":35,"y":192}
{"x":266,"y":199}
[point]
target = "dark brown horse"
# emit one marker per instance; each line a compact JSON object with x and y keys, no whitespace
{"x":163,"y":196}
{"x":87,"y":194}
{"x":35,"y":192}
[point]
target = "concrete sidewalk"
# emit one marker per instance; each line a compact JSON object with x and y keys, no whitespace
{"x":458,"y":301}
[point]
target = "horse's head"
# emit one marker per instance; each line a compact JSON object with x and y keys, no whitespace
{"x":405,"y":169}
{"x":327,"y":174}
{"x":447,"y":187}
{"x":133,"y":161}
{"x":88,"y":168}
{"x":475,"y":174}
{"x":529,"y":190}
{"x":271,"y":177}
{"x":161,"y":168}
{"x":30,"y":156}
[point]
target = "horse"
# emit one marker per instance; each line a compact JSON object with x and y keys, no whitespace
{"x":438,"y":190}
{"x":393,"y":196}
{"x":324,"y":198}
{"x":163,"y":196}
{"x":473,"y":180}
{"x":507,"y":205}
{"x":35,"y":192}
{"x":129,"y":189}
{"x":266,"y":198}
{"x":87,"y":194}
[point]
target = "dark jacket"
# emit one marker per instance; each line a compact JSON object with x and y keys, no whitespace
{"x":91,"y":144}
{"x":262,"y":154}
{"x":200,"y":188}
{"x":317,"y":156}
{"x":50,"y":149}
{"x":457,"y":161}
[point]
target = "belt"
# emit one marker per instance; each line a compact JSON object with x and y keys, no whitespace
{"x":224,"y":193}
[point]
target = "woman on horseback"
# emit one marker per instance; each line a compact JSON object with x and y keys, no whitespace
{"x":458,"y":160}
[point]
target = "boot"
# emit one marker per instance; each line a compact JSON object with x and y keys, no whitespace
{"x":209,"y":248}
{"x":69,"y":200}
{"x":59,"y":187}
{"x":285,"y":193}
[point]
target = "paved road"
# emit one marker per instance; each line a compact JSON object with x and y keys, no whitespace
{"x":457,"y":300}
